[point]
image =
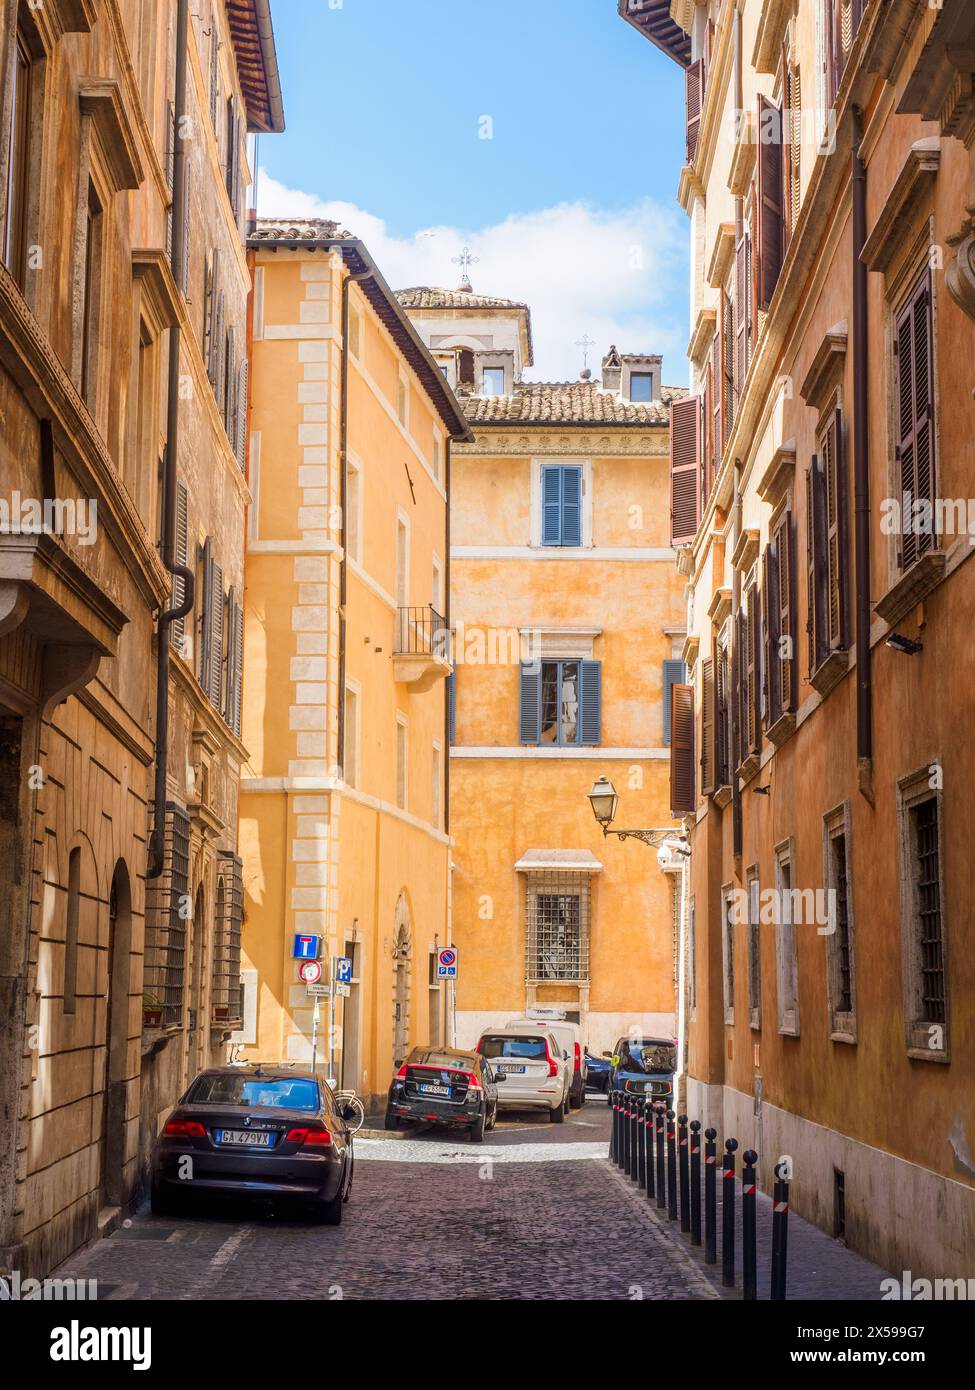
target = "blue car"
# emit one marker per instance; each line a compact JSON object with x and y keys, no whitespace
{"x":644,"y":1066}
{"x":597,"y":1073}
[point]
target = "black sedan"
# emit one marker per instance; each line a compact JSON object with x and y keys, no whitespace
{"x":446,"y":1087}
{"x":270,"y":1132}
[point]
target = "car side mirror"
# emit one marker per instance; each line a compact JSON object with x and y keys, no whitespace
{"x":565,"y":1055}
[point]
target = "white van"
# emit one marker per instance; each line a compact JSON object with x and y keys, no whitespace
{"x":569,"y":1038}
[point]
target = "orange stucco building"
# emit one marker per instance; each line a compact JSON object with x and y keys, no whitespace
{"x":821,"y":480}
{"x":568,"y":620}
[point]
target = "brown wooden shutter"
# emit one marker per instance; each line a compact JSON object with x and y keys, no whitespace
{"x":795,"y":147}
{"x":240,"y":423}
{"x":741,"y":687}
{"x":754,"y":671}
{"x":212,"y":350}
{"x":177,"y":629}
{"x":770,"y":624}
{"x":717,"y":401}
{"x":770,"y":230}
{"x":721,"y":713}
{"x":707,"y":459}
{"x":742,"y":307}
{"x":788,"y":682}
{"x":683,"y":772}
{"x":817,"y":596}
{"x":205,"y":619}
{"x":694,"y":89}
{"x":216,"y":635}
{"x":230,"y":385}
{"x":915,"y":429}
{"x":837,"y":579}
{"x":220,"y":350}
{"x":707,"y":727}
{"x":685,"y":464}
{"x":730,"y":397}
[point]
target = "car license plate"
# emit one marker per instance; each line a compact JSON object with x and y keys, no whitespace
{"x":509,"y":1067}
{"x":429,"y":1089}
{"x":248,"y":1138}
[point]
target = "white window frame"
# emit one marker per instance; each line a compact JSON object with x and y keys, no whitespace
{"x":536,"y":503}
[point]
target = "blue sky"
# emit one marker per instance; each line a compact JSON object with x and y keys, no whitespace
{"x":570,"y":204}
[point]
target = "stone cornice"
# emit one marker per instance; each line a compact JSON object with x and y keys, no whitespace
{"x":102,"y":101}
{"x":913,"y":184}
{"x":826,"y":368}
{"x":591,"y":442}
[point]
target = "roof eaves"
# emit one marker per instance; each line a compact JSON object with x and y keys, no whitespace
{"x":651,"y":18}
{"x":252,"y":36}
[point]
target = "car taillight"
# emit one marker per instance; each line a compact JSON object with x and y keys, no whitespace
{"x":309,"y":1138}
{"x":184,"y":1129}
{"x":553,"y":1066}
{"x":578,"y":1057}
{"x":401,"y":1074}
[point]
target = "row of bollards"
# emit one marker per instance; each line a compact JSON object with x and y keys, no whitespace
{"x":661,"y":1153}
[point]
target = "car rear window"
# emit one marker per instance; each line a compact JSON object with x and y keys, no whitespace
{"x":512,"y":1047}
{"x":286,"y":1093}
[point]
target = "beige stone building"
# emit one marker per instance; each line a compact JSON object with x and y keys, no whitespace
{"x":123,"y":397}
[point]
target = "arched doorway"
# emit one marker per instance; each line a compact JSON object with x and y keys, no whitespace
{"x":113,"y":1192}
{"x":402,"y":946}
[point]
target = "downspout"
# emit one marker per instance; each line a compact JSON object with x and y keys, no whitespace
{"x":343,"y":500}
{"x":861,"y":466}
{"x":157,"y":850}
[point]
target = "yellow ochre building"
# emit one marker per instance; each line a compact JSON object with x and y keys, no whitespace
{"x":343,"y":808}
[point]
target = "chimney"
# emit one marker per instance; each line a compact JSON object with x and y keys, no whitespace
{"x":612,"y":367}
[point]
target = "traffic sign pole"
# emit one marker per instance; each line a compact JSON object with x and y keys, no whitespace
{"x":331,"y":1021}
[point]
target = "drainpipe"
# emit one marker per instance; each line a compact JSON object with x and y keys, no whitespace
{"x":347,"y":283}
{"x":861,"y":463}
{"x":450,"y":650}
{"x":157,"y":851}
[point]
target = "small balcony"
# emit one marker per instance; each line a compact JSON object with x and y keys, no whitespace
{"x":421,"y":651}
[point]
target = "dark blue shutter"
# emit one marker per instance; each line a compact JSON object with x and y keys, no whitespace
{"x":590,"y":700}
{"x":572,"y":506}
{"x":674,"y":674}
{"x":452,"y":697}
{"x":530,"y":712}
{"x":551,"y":504}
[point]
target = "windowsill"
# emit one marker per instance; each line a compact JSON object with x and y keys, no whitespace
{"x":843,"y":1032}
{"x":830,"y":672}
{"x":789,"y":1030}
{"x":729,"y":1017}
{"x":749,"y":767}
{"x":755,"y":1021}
{"x":924,"y":1054}
{"x":722,"y":796}
{"x":914,"y":585}
{"x":782,"y":730}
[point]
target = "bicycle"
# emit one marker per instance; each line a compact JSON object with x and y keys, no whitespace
{"x":350,"y":1099}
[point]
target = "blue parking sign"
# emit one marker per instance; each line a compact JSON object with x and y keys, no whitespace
{"x":343,"y":969}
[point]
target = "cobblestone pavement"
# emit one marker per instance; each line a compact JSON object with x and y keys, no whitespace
{"x":535,"y":1212}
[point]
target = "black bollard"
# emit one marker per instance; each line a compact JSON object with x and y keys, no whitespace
{"x":611,"y":1102}
{"x":728,"y":1215}
{"x":661,"y":1154}
{"x":780,"y":1232}
{"x":617,"y":1129}
{"x":649,"y":1126}
{"x":641,"y":1143}
{"x":671,"y":1168}
{"x":634,"y":1136}
{"x":749,"y":1273}
{"x":695,"y":1144}
{"x":710,"y":1197}
{"x":683,"y":1174}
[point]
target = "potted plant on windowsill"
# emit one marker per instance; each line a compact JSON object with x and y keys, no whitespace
{"x":152,"y":1010}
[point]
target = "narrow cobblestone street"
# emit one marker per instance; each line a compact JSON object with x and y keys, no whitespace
{"x":535,"y":1212}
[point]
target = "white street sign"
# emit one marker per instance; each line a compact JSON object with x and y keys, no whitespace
{"x":342,"y":990}
{"x":317,"y":990}
{"x":310,"y":971}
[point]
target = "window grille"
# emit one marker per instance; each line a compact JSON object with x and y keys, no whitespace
{"x":928,"y":887}
{"x":557,"y":917}
{"x":226,"y":955}
{"x":166,"y":915}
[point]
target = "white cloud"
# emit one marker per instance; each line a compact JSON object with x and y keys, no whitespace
{"x":619,"y":276}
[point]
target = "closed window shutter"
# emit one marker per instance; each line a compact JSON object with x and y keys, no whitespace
{"x":707,"y":727}
{"x":915,"y":432}
{"x":177,"y":630}
{"x":721,"y":716}
{"x":590,"y":701}
{"x":741,"y":301}
{"x":229,"y":685}
{"x":754,"y":724}
{"x":240,"y":422}
{"x":220,"y":351}
{"x":685,"y":467}
{"x":770,"y":585}
{"x":707,"y":462}
{"x":551,"y":504}
{"x":530,"y":706}
{"x":717,"y":398}
{"x":834,"y":478}
{"x":795,"y":147}
{"x":214,"y":73}
{"x":694,"y":90}
{"x":729,"y":404}
{"x":452,"y":697}
{"x":206,"y":617}
{"x":216,"y":635}
{"x":184,"y":269}
{"x":170,"y":172}
{"x":740,"y":673}
{"x":675,"y":673}
{"x":571,"y":506}
{"x":769,"y":231}
{"x":238,"y":660}
{"x":212,"y":353}
{"x":683,"y":771}
{"x":788,"y":683}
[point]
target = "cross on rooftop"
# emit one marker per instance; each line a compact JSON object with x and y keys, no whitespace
{"x":585,"y":342}
{"x":465,"y":260}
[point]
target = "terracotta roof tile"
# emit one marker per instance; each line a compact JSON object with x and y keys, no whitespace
{"x":430,"y":297}
{"x":297,"y":229}
{"x":567,"y":403}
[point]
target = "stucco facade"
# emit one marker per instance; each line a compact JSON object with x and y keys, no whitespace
{"x":839,"y":1032}
{"x":343,"y":831}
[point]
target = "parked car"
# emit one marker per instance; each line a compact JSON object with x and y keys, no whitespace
{"x":597,"y":1072}
{"x":569,"y":1037}
{"x":535,"y":1073}
{"x":447,"y":1086}
{"x":644,"y":1065}
{"x":275,"y":1132}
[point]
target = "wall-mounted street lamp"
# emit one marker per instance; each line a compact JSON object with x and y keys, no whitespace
{"x":604,"y":799}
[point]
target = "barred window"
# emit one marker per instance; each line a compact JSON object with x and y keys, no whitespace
{"x":226,"y":954}
{"x":557,"y":927}
{"x":927,"y":1013}
{"x":167,"y":909}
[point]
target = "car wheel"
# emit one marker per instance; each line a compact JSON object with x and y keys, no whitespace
{"x":392,"y":1121}
{"x":477,"y":1129}
{"x":557,"y":1115}
{"x":566,"y":1100}
{"x":330,"y":1213}
{"x":576,"y":1102}
{"x":492,"y":1123}
{"x":348,"y":1185}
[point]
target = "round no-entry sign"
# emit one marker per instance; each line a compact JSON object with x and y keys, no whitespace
{"x":310,"y":971}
